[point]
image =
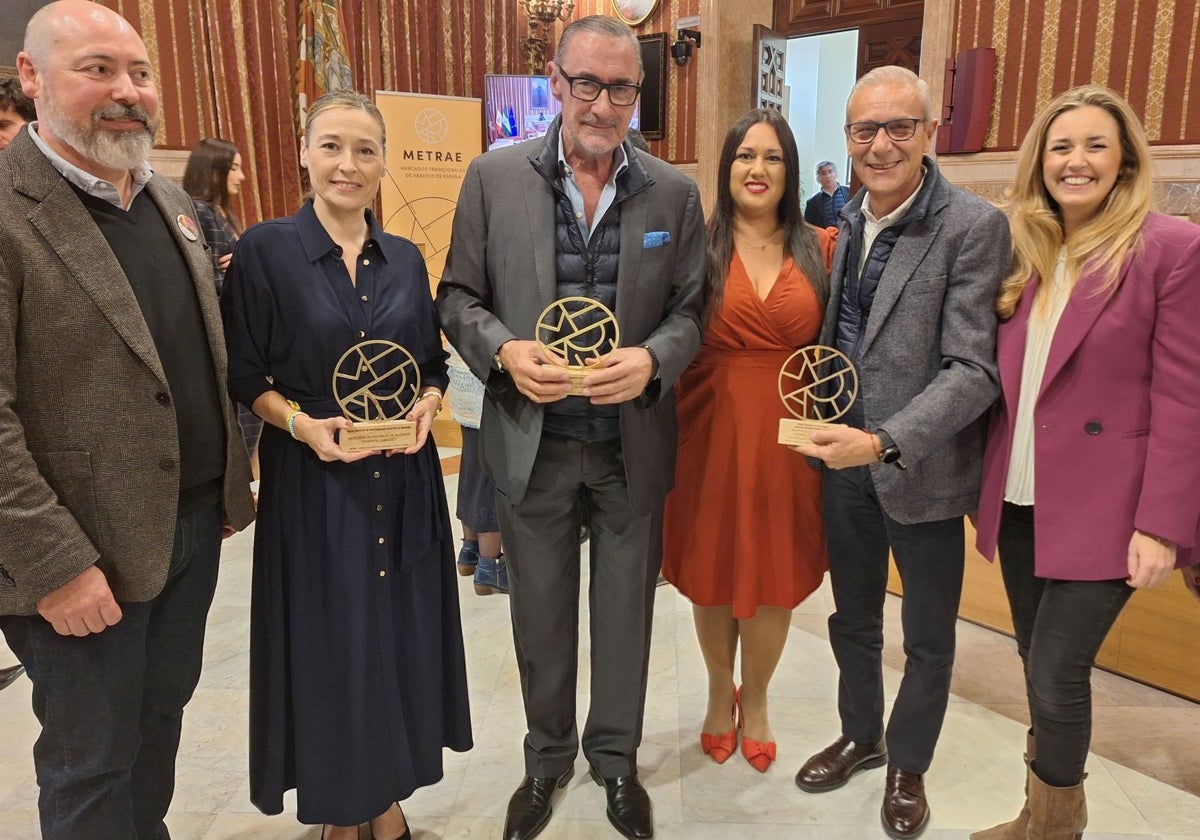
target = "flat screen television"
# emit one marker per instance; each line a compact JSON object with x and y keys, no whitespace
{"x":516,"y":108}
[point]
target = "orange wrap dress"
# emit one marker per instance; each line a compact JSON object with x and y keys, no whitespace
{"x":742,"y":527}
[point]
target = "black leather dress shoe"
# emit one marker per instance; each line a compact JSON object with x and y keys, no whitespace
{"x":905,"y":811}
{"x":833,"y":766}
{"x":8,"y":676}
{"x":629,"y":808}
{"x":529,"y":808}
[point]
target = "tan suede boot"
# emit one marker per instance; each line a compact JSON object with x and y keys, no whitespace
{"x":1055,"y":813}
{"x":1013,"y":829}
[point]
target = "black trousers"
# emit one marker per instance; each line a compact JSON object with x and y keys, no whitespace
{"x":576,"y":483}
{"x":111,"y":704}
{"x":929,"y":557}
{"x":1060,"y":625}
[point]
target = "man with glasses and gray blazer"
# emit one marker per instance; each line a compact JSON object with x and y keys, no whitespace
{"x":579,"y":212}
{"x":911,"y":302}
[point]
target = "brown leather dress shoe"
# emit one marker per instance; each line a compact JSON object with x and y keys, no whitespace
{"x":8,"y":676}
{"x":833,"y":766}
{"x":905,"y":812}
{"x":530,"y":806}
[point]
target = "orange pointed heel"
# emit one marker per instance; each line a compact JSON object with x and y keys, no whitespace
{"x":758,"y":754}
{"x":720,"y":747}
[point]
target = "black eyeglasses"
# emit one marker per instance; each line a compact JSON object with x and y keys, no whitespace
{"x":588,"y":90}
{"x":899,"y":129}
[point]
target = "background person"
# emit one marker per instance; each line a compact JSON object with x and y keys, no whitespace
{"x":480,"y":556}
{"x":742,"y":531}
{"x":579,"y":212}
{"x":918,"y":262}
{"x":1091,"y":487}
{"x":116,"y":498}
{"x":823,"y":208}
{"x":357,"y":675}
{"x":213,"y":175}
{"x":15,"y":110}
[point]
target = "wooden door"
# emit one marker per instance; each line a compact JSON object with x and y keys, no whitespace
{"x":897,"y":42}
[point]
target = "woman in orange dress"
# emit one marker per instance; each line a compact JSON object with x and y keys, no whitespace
{"x":743,"y":538}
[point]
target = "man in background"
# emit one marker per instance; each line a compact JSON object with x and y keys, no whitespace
{"x":823,"y":208}
{"x":15,"y":111}
{"x":121,"y":460}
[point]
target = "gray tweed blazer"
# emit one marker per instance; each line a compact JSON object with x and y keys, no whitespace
{"x":88,"y":457}
{"x":928,"y":354}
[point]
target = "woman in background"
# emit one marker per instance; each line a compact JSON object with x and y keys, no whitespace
{"x":743,"y":538}
{"x":357,"y":673}
{"x":214,"y":174}
{"x":1091,"y":484}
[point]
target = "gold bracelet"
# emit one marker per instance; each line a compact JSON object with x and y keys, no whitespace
{"x":433,"y":392}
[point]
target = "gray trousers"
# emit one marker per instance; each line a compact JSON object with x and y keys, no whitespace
{"x":576,"y":483}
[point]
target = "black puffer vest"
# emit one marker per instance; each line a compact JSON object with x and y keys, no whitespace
{"x":858,"y":288}
{"x":586,"y":269}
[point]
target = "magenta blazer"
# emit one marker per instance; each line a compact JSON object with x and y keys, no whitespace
{"x":1117,"y":442}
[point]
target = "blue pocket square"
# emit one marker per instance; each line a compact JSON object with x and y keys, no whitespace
{"x":656,"y":238}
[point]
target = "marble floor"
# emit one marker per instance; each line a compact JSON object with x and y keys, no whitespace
{"x":1144,"y":775}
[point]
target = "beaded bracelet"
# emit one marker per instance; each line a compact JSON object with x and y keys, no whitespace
{"x":291,"y":418}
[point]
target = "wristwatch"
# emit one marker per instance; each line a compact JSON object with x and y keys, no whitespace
{"x":496,"y":363}
{"x":889,"y":452}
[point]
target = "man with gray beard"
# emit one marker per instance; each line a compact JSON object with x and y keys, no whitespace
{"x":121,"y":462}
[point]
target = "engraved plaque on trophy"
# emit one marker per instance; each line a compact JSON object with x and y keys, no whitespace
{"x":576,"y":330}
{"x":818,"y":385}
{"x":377,"y":383}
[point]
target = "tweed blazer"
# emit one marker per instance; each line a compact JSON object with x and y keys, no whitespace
{"x":927,"y":369}
{"x":500,"y":275}
{"x":89,"y":452}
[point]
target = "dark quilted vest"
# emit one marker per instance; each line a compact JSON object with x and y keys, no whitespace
{"x":586,"y":269}
{"x":858,"y":288}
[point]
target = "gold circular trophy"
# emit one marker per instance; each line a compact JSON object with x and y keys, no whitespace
{"x":818,"y":385}
{"x":576,"y":329}
{"x":377,"y":383}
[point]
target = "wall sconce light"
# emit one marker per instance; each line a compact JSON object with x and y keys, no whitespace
{"x":681,"y":50}
{"x":542,"y":16}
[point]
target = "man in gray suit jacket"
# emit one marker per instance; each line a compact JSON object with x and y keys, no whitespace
{"x":120,"y":455}
{"x":579,"y":212}
{"x":911,"y":299}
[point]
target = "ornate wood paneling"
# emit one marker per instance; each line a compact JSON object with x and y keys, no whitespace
{"x":890,"y":43}
{"x":806,"y":17}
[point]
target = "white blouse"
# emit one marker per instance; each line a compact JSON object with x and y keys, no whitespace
{"x":1043,"y":321}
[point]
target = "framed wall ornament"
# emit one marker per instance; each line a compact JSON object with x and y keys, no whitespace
{"x":634,"y":12}
{"x":652,"y":118}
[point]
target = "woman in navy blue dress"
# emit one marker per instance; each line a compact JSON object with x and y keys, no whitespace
{"x":357,"y":678}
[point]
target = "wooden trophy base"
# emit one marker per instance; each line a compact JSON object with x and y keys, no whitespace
{"x":798,"y":432}
{"x":378,"y":434}
{"x":577,"y":375}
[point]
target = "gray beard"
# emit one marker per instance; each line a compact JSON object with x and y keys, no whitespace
{"x":110,"y":149}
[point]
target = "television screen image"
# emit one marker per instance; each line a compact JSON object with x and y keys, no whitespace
{"x":517,"y":108}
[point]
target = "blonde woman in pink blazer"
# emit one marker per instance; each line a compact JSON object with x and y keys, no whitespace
{"x":1091,"y":481}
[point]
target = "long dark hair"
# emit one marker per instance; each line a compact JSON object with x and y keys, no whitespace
{"x":207,"y":176}
{"x":799,"y":239}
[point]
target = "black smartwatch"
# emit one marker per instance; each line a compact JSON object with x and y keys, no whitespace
{"x":889,"y":452}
